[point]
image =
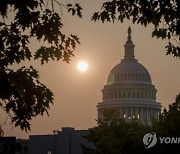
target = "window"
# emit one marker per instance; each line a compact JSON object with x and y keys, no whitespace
{"x":142,"y":95}
{"x":129,"y":95}
{"x":119,"y":94}
{"x":124,"y":95}
{"x":133,"y":94}
{"x":137,"y":94}
{"x":115,"y":95}
{"x":146,"y":95}
{"x":111,"y":95}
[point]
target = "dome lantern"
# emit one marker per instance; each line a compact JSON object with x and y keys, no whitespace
{"x":129,"y":47}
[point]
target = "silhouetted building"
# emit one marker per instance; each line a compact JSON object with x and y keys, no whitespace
{"x":67,"y":141}
{"x":129,"y":89}
{"x":11,"y":145}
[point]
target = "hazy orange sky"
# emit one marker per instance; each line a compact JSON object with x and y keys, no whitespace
{"x":102,"y":46}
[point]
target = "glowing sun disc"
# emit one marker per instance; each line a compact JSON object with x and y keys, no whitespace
{"x":82,"y":66}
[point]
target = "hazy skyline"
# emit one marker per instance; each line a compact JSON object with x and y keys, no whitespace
{"x":102,"y":46}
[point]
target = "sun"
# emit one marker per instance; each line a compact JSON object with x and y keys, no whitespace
{"x":82,"y":66}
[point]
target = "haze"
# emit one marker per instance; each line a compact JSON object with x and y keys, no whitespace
{"x":102,"y":46}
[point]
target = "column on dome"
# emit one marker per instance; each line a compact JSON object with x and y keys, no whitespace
{"x":121,"y":112}
{"x":126,"y":112}
{"x":136,"y":115}
{"x":154,"y":112}
{"x":142,"y":114}
{"x":149,"y":118}
{"x":151,"y":114}
{"x":131,"y":114}
{"x":158,"y":114}
{"x":103,"y":95}
{"x":147,"y":115}
{"x":99,"y":114}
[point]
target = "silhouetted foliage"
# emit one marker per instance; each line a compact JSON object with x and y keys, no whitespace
{"x":168,"y":126}
{"x":163,"y":15}
{"x":169,"y":120}
{"x":22,"y":95}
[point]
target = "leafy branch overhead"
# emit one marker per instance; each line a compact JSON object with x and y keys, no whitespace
{"x":163,"y":15}
{"x":22,"y":95}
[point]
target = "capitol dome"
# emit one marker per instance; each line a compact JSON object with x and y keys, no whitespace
{"x":129,"y":71}
{"x":129,"y":89}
